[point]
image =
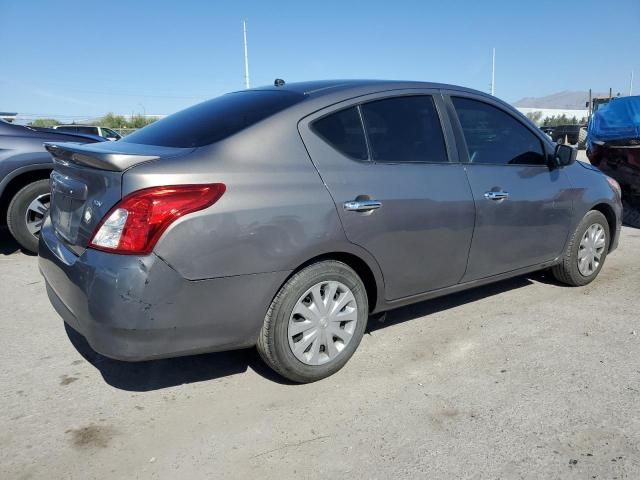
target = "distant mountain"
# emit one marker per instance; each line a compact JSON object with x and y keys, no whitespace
{"x":565,"y":100}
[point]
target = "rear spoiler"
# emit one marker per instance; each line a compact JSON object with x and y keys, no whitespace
{"x":89,"y":155}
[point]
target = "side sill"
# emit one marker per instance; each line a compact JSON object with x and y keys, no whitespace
{"x":401,"y":302}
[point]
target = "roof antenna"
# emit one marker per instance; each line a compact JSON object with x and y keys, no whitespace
{"x":493,"y":72}
{"x":247,"y":84}
{"x":278,"y":82}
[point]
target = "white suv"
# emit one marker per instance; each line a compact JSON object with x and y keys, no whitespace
{"x":100,"y":131}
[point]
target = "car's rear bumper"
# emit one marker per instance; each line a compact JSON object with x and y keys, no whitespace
{"x":138,"y":308}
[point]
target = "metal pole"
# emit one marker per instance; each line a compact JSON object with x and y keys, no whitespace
{"x":493,"y":73}
{"x":631,"y":84}
{"x":247,"y":84}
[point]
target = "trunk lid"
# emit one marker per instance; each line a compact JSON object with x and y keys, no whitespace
{"x":87,"y":182}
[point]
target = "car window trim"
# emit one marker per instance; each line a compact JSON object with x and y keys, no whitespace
{"x":462,"y":141}
{"x":367,"y":142}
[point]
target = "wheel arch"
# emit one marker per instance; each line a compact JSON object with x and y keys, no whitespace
{"x":609,"y":214}
{"x":18,"y":179}
{"x":368,"y":271}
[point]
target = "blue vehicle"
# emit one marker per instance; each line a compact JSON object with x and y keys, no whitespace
{"x":24,"y":178}
{"x":614,"y":147}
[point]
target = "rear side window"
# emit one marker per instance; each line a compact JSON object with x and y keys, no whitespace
{"x":343,"y":131}
{"x":405,"y":129}
{"x":215,"y":119}
{"x":495,"y":137}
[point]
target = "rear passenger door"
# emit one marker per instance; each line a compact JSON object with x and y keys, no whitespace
{"x":397,"y":186}
{"x":523,"y":207}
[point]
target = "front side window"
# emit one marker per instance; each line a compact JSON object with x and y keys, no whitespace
{"x":404,"y":129}
{"x":343,"y":131}
{"x":495,"y":137}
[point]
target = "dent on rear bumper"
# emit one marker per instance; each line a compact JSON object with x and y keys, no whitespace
{"x":138,"y":308}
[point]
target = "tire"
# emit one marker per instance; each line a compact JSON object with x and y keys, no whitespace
{"x":582,"y":139}
{"x":277,"y":348}
{"x":19,"y":208}
{"x":569,"y":271}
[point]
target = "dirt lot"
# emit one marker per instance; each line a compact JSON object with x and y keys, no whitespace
{"x":522,"y":379}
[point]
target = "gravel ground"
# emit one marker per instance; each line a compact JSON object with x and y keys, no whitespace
{"x":521,"y":379}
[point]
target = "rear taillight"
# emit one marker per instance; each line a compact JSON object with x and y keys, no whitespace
{"x":134,"y":225}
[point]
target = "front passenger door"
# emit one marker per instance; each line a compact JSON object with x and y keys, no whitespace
{"x":523,"y":207}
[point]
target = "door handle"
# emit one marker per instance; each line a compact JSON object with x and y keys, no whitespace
{"x":362,"y":205}
{"x":496,"y":195}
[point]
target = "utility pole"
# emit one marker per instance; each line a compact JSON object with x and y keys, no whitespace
{"x":631,"y":84}
{"x":247,"y":84}
{"x":493,"y":72}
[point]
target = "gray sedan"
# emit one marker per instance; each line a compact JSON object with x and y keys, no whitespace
{"x":24,"y":178}
{"x":281,"y":217}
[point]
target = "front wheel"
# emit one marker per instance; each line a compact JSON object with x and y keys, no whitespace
{"x":26,"y":213}
{"x":586,"y":252}
{"x":315,"y":322}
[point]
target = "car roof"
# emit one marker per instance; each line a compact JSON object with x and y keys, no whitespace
{"x":321,"y":93}
{"x":318,"y":88}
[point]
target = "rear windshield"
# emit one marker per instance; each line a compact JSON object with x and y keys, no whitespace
{"x":214,"y":119}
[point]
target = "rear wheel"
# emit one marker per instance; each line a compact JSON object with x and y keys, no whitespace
{"x":26,"y":213}
{"x":586,"y":252}
{"x":315,"y":322}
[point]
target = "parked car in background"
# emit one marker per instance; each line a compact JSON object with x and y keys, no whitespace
{"x":24,"y":178}
{"x":282,"y":216}
{"x":103,"y":132}
{"x":547,"y":131}
{"x":570,"y":134}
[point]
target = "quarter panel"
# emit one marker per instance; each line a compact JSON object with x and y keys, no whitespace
{"x":275,"y":212}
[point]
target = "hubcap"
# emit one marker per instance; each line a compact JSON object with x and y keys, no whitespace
{"x":591,"y":249}
{"x":322,"y":323}
{"x":35,"y":213}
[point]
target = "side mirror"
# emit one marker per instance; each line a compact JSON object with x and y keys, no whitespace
{"x":564,"y":155}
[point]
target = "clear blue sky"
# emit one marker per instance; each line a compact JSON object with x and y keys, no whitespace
{"x":86,"y":58}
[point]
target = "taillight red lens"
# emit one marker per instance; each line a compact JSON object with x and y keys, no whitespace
{"x":134,"y":225}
